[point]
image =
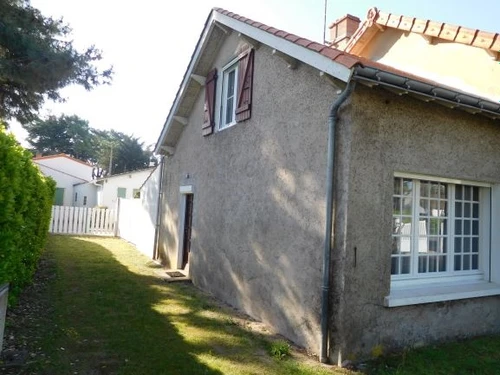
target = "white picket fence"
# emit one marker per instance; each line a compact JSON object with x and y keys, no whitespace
{"x":83,"y":220}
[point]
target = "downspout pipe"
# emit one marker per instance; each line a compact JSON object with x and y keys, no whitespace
{"x":156,"y":251}
{"x":330,"y":186}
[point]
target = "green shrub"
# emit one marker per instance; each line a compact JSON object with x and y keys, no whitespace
{"x":25,"y":208}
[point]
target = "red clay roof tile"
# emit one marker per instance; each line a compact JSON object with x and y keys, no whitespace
{"x":338,"y":56}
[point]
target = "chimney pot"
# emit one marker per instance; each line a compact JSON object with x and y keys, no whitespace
{"x":342,"y":30}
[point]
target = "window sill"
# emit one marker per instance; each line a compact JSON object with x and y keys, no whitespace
{"x":438,"y":293}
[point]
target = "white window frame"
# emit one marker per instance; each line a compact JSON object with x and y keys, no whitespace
{"x":433,"y":287}
{"x":233,"y":65}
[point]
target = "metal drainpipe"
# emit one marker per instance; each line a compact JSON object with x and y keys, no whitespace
{"x":332,"y":121}
{"x":158,"y":210}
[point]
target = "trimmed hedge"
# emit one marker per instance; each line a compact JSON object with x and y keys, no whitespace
{"x":25,"y":207}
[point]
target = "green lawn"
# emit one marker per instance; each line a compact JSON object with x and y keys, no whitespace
{"x":107,"y":312}
{"x":479,"y":356}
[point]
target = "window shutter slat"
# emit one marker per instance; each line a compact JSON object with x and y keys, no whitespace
{"x":209,"y":110}
{"x":245,"y":86}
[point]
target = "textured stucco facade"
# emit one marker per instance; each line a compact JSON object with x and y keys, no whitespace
{"x":259,"y":205}
{"x":384,"y":134}
{"x":259,"y":186}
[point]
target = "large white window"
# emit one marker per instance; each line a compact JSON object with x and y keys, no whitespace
{"x":229,"y":95}
{"x":440,"y":229}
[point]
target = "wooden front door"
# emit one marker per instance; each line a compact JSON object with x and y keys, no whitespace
{"x":188,"y":222}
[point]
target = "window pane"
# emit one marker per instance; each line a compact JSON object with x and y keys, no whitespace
{"x":432,"y":264}
{"x":458,"y":226}
{"x":230,"y":83}
{"x":475,"y":262}
{"x":475,"y":210}
{"x":466,"y":227}
{"x":442,"y":264}
{"x":394,"y":266}
{"x":229,"y":111}
{"x":405,"y":265}
{"x":467,"y":193}
{"x":424,"y":207}
{"x":422,"y":264}
{"x":458,"y":245}
{"x":458,"y":192}
{"x":475,"y":245}
{"x":475,"y":227}
{"x":475,"y":193}
{"x":466,"y":245}
{"x":397,"y":186}
{"x":466,"y":209}
{"x":407,"y":187}
{"x":458,"y":209}
{"x":458,"y":262}
{"x":466,"y":263}
{"x":424,"y":189}
{"x":396,"y":206}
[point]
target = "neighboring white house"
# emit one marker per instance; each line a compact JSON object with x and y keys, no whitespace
{"x":137,"y":221}
{"x":68,"y":172}
{"x":123,"y":185}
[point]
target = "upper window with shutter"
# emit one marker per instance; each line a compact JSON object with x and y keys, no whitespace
{"x":235,"y":91}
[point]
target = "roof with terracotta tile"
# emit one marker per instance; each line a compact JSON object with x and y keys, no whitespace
{"x":376,"y":20}
{"x":333,"y":54}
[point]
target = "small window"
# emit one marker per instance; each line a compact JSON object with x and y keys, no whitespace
{"x":229,"y":94}
{"x":136,"y":193}
{"x":76,"y":197}
{"x":121,"y":192}
{"x":84,"y":200}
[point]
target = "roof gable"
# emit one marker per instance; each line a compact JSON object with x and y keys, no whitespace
{"x":217,"y":26}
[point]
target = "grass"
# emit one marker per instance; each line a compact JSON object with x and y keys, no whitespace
{"x":479,"y":356}
{"x":110,"y":314}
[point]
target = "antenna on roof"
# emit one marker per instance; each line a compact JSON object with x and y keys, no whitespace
{"x":324,"y":24}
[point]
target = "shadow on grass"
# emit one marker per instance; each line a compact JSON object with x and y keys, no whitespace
{"x":110,"y":320}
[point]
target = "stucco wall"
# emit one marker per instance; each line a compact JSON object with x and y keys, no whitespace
{"x":388,"y":133}
{"x":259,"y":187}
{"x":465,"y":67}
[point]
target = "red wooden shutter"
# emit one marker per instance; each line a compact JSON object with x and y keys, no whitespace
{"x":209,"y":115}
{"x":245,"y":83}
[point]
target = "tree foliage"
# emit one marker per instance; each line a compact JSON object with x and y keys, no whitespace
{"x":61,"y":135}
{"x":73,"y":136}
{"x":125,"y":152}
{"x":25,"y":208}
{"x":37,"y":59}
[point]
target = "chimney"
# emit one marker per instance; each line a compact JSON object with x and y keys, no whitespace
{"x":342,"y":30}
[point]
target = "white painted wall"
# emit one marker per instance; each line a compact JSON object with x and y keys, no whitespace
{"x":88,"y":190}
{"x":63,"y":180}
{"x":108,"y":196}
{"x":137,"y":217}
{"x":68,"y":165}
{"x":67,"y":172}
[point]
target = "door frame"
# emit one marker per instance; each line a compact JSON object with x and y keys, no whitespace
{"x":184,"y":190}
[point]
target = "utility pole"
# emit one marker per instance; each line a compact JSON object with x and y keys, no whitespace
{"x":110,"y":161}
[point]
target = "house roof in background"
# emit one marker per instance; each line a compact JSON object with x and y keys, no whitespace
{"x":36,"y":158}
{"x":124,"y":173}
{"x":377,"y":20}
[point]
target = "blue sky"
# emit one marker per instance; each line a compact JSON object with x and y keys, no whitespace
{"x":150,"y":42}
